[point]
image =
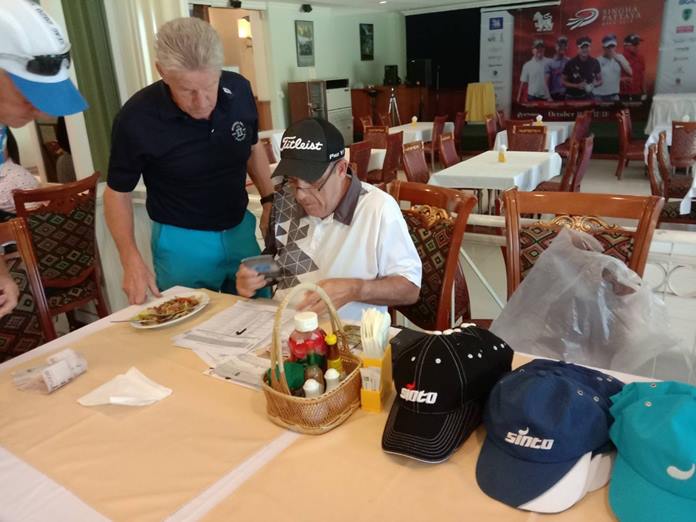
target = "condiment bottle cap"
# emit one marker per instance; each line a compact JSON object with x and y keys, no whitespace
{"x":306,"y":321}
{"x":311,"y":385}
{"x":331,"y":338}
{"x":331,"y":374}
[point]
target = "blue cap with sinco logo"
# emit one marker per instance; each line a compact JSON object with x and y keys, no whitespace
{"x":545,"y":423}
{"x":654,"y":477}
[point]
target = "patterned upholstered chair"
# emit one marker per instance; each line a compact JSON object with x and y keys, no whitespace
{"x":61,"y":224}
{"x":268,"y":149}
{"x":29,"y":324}
{"x":527,"y":138}
{"x":526,"y":242}
{"x":392,"y":160}
{"x":415,"y":166}
{"x":670,"y":212}
{"x":377,"y":136}
{"x":360,"y":156}
{"x":673,"y":186}
{"x":436,"y":221}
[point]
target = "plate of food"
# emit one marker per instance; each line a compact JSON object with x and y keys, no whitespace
{"x":170,"y":310}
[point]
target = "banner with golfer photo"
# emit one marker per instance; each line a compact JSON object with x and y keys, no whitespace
{"x":585,"y":54}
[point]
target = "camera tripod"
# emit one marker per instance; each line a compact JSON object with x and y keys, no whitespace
{"x":394,"y":118}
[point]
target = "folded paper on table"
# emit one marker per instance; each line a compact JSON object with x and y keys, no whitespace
{"x":127,"y":389}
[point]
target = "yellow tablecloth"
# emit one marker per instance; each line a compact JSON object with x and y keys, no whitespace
{"x":345,"y":476}
{"x":132,"y":463}
{"x":480,"y":101}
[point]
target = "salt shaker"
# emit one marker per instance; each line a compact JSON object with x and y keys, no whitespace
{"x":332,"y":379}
{"x":312,"y":389}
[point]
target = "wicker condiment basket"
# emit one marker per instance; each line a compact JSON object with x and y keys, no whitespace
{"x":316,"y":415}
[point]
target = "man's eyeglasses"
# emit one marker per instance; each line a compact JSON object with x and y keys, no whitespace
{"x":43,"y":65}
{"x":294,"y":187}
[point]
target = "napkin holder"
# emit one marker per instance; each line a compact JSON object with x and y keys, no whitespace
{"x":374,"y":401}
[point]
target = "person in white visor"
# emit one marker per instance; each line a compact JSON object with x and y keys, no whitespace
{"x":34,"y":80}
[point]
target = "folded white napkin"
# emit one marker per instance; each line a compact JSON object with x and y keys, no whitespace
{"x":128,"y":389}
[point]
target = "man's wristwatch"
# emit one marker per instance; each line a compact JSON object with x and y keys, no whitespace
{"x":268,"y":198}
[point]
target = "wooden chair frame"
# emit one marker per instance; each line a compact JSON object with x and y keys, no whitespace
{"x":454,"y":202}
{"x":62,"y":200}
{"x":15,"y":232}
{"x":645,"y":209}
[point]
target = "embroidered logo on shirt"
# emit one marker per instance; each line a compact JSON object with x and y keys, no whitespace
{"x":239,"y":131}
{"x":522,"y":439}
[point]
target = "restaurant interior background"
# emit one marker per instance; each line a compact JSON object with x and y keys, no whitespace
{"x":112,"y":42}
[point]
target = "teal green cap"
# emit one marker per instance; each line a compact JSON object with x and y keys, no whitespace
{"x":654,"y":430}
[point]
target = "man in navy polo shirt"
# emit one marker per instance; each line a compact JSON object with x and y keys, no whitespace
{"x":193,"y":136}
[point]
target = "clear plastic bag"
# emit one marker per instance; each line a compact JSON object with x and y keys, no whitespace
{"x":580,"y":305}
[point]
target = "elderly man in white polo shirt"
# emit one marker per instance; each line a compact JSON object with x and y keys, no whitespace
{"x":331,"y":229}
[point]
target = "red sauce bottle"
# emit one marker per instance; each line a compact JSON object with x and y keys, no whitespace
{"x":306,"y":342}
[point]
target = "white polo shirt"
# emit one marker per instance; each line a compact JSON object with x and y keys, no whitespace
{"x":534,"y":75}
{"x":611,"y":76}
{"x":366,"y":237}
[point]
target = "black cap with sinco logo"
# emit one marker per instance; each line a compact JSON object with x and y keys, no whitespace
{"x":442,"y":382}
{"x":307,"y":148}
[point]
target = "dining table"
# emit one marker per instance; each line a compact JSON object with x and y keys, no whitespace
{"x":209,"y":452}
{"x":275,"y":135}
{"x":556,"y":133}
{"x":666,"y":108}
{"x":419,"y":131}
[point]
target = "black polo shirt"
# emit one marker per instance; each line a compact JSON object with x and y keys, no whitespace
{"x":194,"y":170}
{"x":577,"y":70}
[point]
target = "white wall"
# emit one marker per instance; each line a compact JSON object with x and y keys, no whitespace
{"x":337,"y":49}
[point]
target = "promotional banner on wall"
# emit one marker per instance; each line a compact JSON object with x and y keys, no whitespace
{"x":677,"y":69}
{"x":495,"y":65}
{"x":586,"y":54}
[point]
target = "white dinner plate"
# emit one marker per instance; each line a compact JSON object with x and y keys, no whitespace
{"x":203,"y":298}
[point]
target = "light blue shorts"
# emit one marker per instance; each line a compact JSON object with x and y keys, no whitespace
{"x":202,"y":258}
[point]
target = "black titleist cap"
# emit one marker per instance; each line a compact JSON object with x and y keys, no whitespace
{"x":442,"y":382}
{"x":307,"y":148}
{"x":583,"y":41}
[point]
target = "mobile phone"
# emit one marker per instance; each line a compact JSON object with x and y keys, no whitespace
{"x":264,"y":264}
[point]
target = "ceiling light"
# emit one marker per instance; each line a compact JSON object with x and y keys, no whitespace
{"x":382,"y":2}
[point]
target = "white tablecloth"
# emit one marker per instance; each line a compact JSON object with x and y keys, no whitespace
{"x":524,"y":170}
{"x":685,"y":205}
{"x":421,"y":131}
{"x":668,"y":107}
{"x":376,"y":158}
{"x":276,"y":135}
{"x":556,"y":133}
{"x":654,"y":135}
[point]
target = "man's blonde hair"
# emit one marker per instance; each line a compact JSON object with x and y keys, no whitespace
{"x":188,"y":44}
